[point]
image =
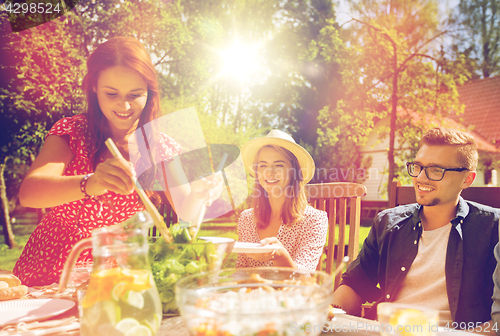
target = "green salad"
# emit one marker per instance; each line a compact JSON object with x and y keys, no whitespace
{"x":170,"y":262}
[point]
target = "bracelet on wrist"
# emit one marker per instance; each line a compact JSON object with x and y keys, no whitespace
{"x":83,"y":185}
{"x":336,"y":306}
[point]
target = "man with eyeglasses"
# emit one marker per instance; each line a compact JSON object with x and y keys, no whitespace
{"x":436,"y":253}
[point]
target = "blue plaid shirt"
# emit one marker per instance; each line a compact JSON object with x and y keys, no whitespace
{"x":392,"y":245}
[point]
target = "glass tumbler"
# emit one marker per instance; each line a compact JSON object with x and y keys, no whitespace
{"x":398,"y":319}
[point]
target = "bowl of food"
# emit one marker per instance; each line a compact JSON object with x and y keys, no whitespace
{"x":255,"y":301}
{"x":171,"y":262}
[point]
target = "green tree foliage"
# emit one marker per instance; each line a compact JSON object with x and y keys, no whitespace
{"x":42,"y":68}
{"x":45,"y":66}
{"x":292,"y":83}
{"x":393,"y":69}
{"x":303,"y":81}
{"x":478,"y":36}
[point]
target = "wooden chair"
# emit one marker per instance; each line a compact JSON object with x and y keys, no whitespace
{"x":400,"y":195}
{"x":333,"y":198}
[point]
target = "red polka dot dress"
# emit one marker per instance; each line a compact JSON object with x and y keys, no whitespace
{"x":304,"y":241}
{"x":44,"y":255}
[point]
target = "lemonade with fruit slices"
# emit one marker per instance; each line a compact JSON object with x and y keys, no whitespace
{"x":407,"y":320}
{"x":120,"y":302}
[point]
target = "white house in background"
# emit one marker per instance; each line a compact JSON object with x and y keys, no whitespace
{"x":376,"y":176}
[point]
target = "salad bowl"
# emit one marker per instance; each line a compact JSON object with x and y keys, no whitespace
{"x":171,"y":262}
{"x":255,"y":301}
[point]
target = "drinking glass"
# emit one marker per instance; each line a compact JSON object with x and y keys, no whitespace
{"x":399,"y":319}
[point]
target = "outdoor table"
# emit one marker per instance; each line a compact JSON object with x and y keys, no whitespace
{"x":342,"y":325}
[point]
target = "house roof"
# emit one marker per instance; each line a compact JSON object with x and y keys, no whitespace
{"x":482,"y":144}
{"x":431,"y":121}
{"x":481,"y":98}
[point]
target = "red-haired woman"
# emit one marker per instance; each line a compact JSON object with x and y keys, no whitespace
{"x":280,"y":213}
{"x":77,"y":176}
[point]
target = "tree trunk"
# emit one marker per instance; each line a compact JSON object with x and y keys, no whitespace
{"x":7,"y":228}
{"x":392,"y":131}
{"x":224,"y":109}
{"x":237,"y":120}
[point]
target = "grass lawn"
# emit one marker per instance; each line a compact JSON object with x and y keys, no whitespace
{"x":25,"y":224}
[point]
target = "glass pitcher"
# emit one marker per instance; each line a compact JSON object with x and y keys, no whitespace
{"x":121,"y":297}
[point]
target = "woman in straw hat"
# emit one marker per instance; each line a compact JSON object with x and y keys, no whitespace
{"x":280,"y":213}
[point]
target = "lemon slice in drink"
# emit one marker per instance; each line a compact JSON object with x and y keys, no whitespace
{"x":134,"y":299}
{"x":138,"y":279}
{"x":139,"y":330}
{"x":101,"y":285}
{"x":126,"y":324}
{"x":118,"y":290}
{"x":154,"y":325}
{"x":413,"y":322}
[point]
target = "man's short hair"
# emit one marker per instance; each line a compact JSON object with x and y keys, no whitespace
{"x":467,"y":151}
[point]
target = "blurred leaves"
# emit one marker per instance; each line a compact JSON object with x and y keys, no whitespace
{"x":326,"y":85}
{"x":477,"y":37}
{"x":389,"y":42}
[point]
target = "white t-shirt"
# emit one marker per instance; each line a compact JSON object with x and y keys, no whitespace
{"x":425,"y":282}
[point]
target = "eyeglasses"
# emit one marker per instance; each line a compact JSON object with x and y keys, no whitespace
{"x":433,"y":173}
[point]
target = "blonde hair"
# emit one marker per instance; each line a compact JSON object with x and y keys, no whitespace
{"x":295,"y":204}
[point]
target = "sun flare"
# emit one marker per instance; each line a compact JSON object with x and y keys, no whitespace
{"x":240,"y":61}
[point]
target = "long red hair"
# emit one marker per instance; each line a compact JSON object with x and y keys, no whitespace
{"x":128,"y":52}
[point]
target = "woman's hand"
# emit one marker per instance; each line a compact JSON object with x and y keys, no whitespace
{"x":114,"y":174}
{"x":209,"y":187}
{"x":270,"y":256}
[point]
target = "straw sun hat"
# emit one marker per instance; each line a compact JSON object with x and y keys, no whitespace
{"x":278,"y":138}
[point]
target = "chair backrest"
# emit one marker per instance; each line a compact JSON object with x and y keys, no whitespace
{"x":168,"y":214}
{"x":333,"y":198}
{"x":400,"y":195}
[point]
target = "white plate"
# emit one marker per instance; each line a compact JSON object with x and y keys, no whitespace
{"x":244,"y":247}
{"x":216,"y":240}
{"x":15,"y":311}
{"x":338,"y":311}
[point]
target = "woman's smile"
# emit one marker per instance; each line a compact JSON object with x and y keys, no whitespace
{"x":273,"y":171}
{"x":124,"y":115}
{"x":272,"y":181}
{"x":122,"y":94}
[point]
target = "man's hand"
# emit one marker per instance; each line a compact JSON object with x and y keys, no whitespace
{"x":346,"y":298}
